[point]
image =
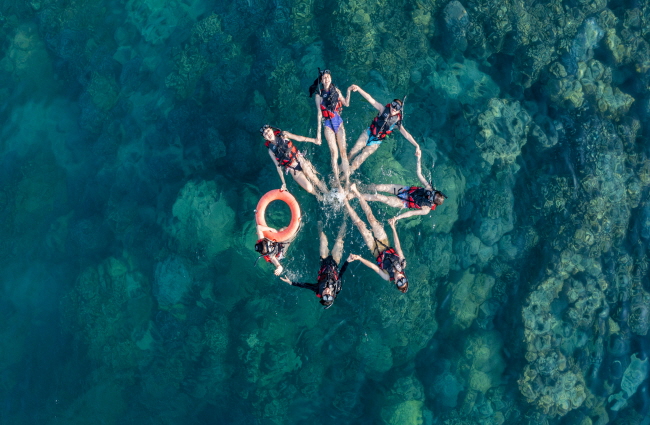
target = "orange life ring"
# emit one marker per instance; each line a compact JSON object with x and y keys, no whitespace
{"x":277,"y":195}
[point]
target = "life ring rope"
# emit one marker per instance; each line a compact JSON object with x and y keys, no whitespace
{"x":292,"y":229}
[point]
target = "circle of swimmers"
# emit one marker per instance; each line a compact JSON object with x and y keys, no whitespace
{"x":390,"y":262}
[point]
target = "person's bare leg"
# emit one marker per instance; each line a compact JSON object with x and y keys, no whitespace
{"x":365,"y":233}
{"x":360,"y":144}
{"x":303,"y":181}
{"x":376,"y":226}
{"x":343,"y":148}
{"x":389,"y":188}
{"x":337,"y":249}
{"x":359,"y":159}
{"x":388,"y":200}
{"x":334,"y":153}
{"x":324,"y":252}
{"x":310,"y":173}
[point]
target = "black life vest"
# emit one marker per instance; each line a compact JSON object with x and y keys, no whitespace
{"x":383,"y":124}
{"x":274,"y":249}
{"x":330,"y":102}
{"x":328,"y":275}
{"x":389,"y":261}
{"x":416,"y":197}
{"x":283,"y":150}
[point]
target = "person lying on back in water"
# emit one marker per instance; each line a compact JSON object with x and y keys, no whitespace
{"x":329,"y":104}
{"x":389,"y":118}
{"x":419,"y":199}
{"x":286,"y":156}
{"x":272,"y":251}
{"x":390,"y":261}
{"x":329,"y":276}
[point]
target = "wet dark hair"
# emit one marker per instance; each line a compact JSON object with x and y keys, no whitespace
{"x":261,"y":247}
{"x":399,"y":101}
{"x":318,"y":81}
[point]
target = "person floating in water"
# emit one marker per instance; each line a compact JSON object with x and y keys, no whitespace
{"x":420,"y":200}
{"x":329,"y":104}
{"x":389,"y":118}
{"x":272,"y":251}
{"x":329,"y":276}
{"x":285,"y":155}
{"x":390,"y":261}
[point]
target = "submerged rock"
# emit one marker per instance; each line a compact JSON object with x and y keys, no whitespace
{"x":172,"y":281}
{"x":505,"y":126}
{"x":456,"y":23}
{"x":203,"y":220}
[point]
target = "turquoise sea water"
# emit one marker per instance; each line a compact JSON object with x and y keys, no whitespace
{"x":131,"y":165}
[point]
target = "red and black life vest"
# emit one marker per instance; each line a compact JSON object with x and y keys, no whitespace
{"x":283,"y":150}
{"x":328,"y":274}
{"x":383,"y":124}
{"x":390,"y":262}
{"x":275,"y":249}
{"x":417,"y":197}
{"x":330,"y":103}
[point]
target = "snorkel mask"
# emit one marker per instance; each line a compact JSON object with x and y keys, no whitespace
{"x":396,"y":105}
{"x":263,"y":129}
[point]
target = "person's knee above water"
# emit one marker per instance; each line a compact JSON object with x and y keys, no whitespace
{"x":288,"y":159}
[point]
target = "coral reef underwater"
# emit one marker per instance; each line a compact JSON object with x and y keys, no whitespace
{"x":131,"y":166}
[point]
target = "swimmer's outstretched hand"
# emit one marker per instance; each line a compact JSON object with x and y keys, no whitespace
{"x":353,"y":87}
{"x":391,"y":222}
{"x":353,"y":257}
{"x":278,"y":270}
{"x":418,"y":152}
{"x":286,"y":279}
{"x":283,"y":188}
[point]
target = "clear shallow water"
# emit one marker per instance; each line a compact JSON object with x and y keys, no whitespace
{"x":131,"y":167}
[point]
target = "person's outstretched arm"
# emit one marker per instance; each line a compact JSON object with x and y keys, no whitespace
{"x":410,"y":138}
{"x":301,"y":138}
{"x":418,"y":170}
{"x":344,"y":100}
{"x":311,"y":286}
{"x":319,"y":118}
{"x":278,"y":266}
{"x":378,"y":106}
{"x":398,"y":246}
{"x":261,"y":229}
{"x":344,"y":267}
{"x":280,"y":173}
{"x":370,"y":265}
